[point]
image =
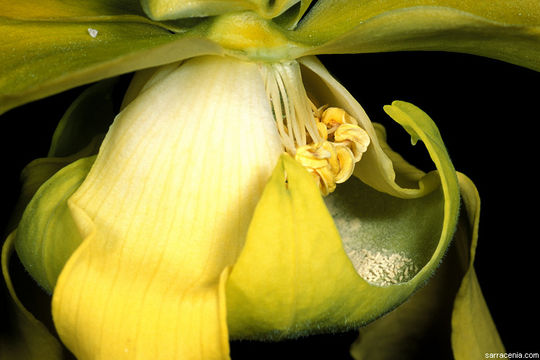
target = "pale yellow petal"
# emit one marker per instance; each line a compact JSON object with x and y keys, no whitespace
{"x":164,"y":212}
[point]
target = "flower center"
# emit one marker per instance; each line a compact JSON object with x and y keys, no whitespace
{"x":327,"y":141}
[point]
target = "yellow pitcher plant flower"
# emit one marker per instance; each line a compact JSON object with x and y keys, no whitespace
{"x":241,"y":192}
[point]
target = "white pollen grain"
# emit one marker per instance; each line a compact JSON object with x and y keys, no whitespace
{"x":382,"y":268}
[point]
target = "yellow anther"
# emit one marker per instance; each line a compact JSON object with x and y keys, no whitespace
{"x":313,"y":156}
{"x":328,"y":162}
{"x":322,"y":162}
{"x":327,"y":181}
{"x":346,"y":163}
{"x":355,"y":137}
{"x":332,"y":161}
{"x":334,"y":116}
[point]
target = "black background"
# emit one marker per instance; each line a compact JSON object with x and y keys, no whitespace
{"x":487,"y":112}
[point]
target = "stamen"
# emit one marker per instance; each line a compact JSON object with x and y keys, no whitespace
{"x":354,"y":137}
{"x":327,"y":141}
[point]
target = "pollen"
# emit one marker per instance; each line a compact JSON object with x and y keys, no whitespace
{"x":383,"y":268}
{"x":327,"y":141}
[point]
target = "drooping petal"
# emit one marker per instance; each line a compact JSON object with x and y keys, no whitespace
{"x":473,"y":332}
{"x":504,"y":30}
{"x":297,"y":275}
{"x":47,"y":236}
{"x":25,"y":337}
{"x":164,"y":212}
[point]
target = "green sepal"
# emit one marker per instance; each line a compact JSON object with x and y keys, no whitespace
{"x":504,"y":30}
{"x":67,"y":9}
{"x":46,"y":56}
